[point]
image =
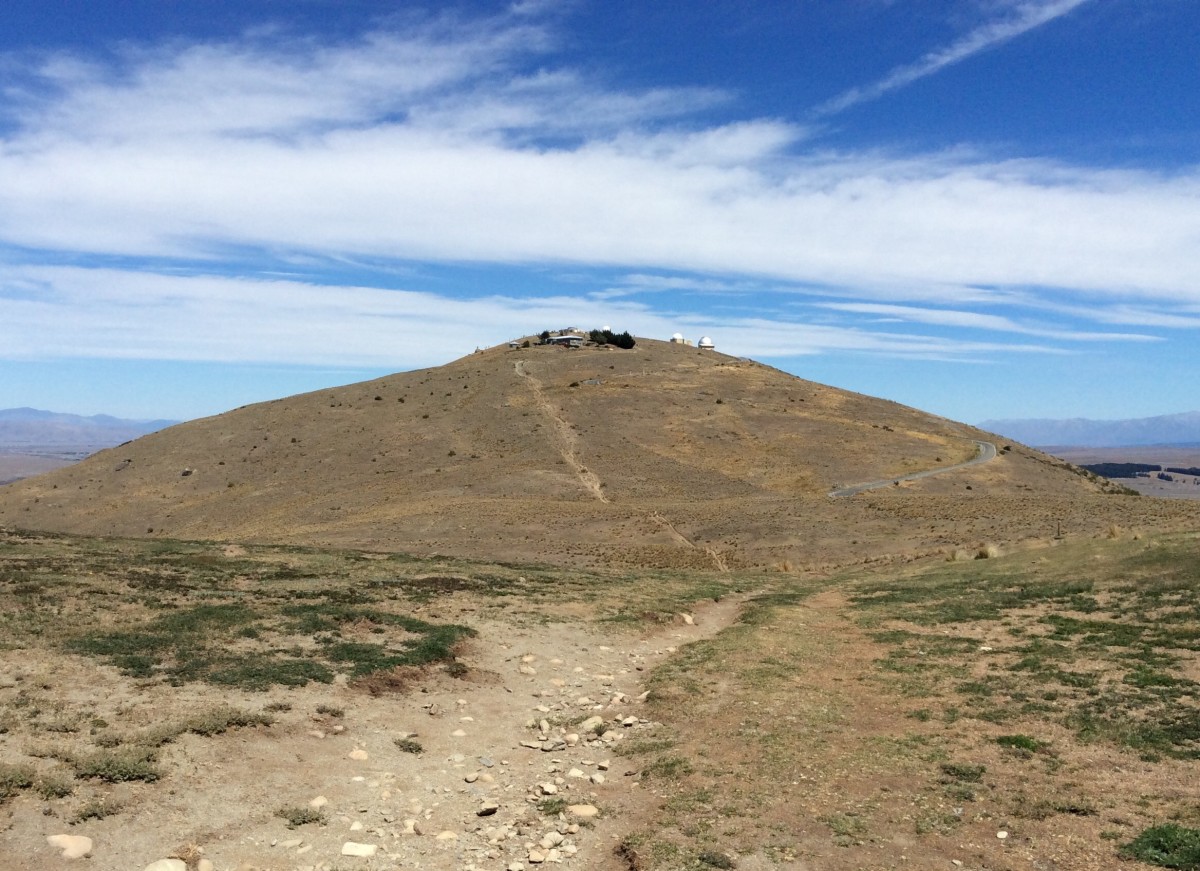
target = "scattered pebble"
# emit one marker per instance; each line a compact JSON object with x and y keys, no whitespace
{"x":167,"y":865}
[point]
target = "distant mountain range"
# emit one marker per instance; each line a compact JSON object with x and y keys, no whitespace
{"x":34,"y":429}
{"x":1169,"y":429}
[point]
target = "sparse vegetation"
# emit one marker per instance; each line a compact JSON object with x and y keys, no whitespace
{"x":13,"y":779}
{"x":118,"y":766}
{"x":51,"y":785}
{"x":408,"y":745}
{"x":296,"y":816}
{"x":552,"y":806}
{"x":96,"y":809}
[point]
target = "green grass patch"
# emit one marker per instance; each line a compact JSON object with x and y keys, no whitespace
{"x":1168,"y":846}
{"x":553,"y":806}
{"x":1098,"y":651}
{"x":1023,"y":745}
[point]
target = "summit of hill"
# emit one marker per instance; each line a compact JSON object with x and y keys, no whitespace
{"x":661,"y":455}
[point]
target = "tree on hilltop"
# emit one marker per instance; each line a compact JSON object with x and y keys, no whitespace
{"x":608,"y":337}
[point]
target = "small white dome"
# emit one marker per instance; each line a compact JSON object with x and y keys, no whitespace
{"x":678,"y":337}
{"x":705,"y":342}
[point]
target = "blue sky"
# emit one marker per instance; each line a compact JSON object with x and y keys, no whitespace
{"x":986,"y":209}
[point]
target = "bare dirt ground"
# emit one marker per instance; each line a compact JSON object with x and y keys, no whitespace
{"x":493,"y":745}
{"x":1030,"y":712}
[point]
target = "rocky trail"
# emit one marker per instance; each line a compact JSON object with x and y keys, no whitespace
{"x":515,"y":767}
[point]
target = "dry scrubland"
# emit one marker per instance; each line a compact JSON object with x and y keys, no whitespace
{"x":593,"y":608}
{"x":194,"y":699}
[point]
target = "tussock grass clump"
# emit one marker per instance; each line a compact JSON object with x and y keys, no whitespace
{"x":296,"y":816}
{"x":119,"y":766}
{"x":222,"y":719}
{"x":50,"y":786}
{"x":713,"y":859}
{"x":964,"y":772}
{"x":13,"y":779}
{"x":668,"y":767}
{"x":552,"y":807}
{"x":96,"y":809}
{"x":408,"y":745}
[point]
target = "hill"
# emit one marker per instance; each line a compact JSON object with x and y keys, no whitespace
{"x":33,"y":428}
{"x":1169,"y":429}
{"x":662,"y":455}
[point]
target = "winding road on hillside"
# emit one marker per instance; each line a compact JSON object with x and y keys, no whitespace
{"x":987,"y":452}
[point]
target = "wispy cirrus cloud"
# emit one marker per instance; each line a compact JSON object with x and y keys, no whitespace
{"x":49,"y":312}
{"x":1021,"y":18}
{"x":979,"y":321}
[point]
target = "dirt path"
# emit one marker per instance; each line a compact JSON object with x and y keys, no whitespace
{"x":987,"y":452}
{"x":567,"y":441}
{"x":514,"y":734}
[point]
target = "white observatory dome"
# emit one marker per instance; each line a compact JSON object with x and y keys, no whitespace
{"x":705,"y":342}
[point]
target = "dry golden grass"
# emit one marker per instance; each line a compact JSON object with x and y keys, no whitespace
{"x":660,"y":456}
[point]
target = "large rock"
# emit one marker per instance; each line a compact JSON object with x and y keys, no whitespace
{"x":72,"y":846}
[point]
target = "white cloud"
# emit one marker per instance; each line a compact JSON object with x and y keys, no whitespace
{"x":978,"y":321}
{"x":1025,"y":16}
{"x":450,"y":144}
{"x":49,"y":312}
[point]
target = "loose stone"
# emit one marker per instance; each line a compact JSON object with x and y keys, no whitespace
{"x":353,"y":848}
{"x":72,"y":846}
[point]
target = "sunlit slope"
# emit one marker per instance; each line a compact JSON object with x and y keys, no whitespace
{"x":662,"y":454}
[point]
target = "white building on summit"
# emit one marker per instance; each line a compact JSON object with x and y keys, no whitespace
{"x":706,"y":344}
